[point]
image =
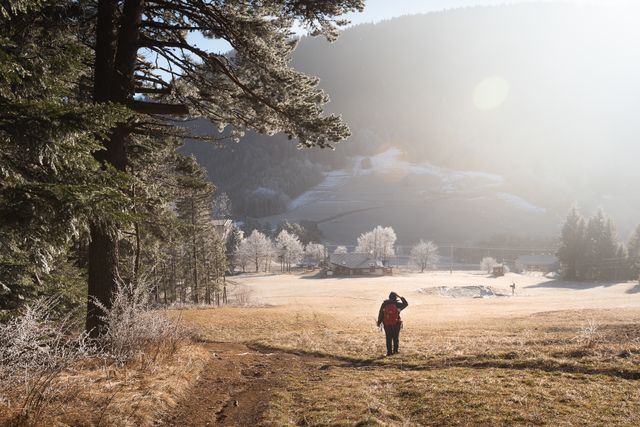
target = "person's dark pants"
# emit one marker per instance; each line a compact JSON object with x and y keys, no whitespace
{"x":393,"y":337}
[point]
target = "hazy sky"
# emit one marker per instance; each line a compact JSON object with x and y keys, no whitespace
{"x":377,"y":10}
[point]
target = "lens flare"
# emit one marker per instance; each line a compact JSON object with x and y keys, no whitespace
{"x":490,"y":93}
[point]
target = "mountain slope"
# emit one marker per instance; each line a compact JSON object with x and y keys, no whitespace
{"x":564,"y":131}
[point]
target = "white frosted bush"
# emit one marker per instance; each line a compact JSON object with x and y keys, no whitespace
{"x":35,"y":347}
{"x":134,"y":328}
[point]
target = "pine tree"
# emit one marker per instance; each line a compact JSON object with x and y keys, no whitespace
{"x":572,"y":248}
{"x":50,"y":184}
{"x":232,"y":245}
{"x":255,"y":88}
{"x":633,"y":248}
{"x":194,"y":209}
{"x":600,"y":248}
{"x":622,"y":267}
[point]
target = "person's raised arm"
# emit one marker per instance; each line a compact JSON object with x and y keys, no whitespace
{"x":402,"y":305}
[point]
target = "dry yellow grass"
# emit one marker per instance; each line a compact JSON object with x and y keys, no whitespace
{"x":135,"y":394}
{"x":552,"y":355}
{"x":556,"y":353}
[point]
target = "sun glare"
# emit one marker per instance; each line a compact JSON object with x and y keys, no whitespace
{"x":490,"y":93}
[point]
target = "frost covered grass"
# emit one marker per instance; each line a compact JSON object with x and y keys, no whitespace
{"x":51,"y":373}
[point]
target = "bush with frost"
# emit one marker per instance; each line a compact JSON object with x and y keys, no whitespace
{"x":133,"y":327}
{"x":35,"y":348}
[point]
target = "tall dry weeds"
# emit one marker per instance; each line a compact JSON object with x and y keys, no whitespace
{"x":42,"y":356}
{"x":35,"y":348}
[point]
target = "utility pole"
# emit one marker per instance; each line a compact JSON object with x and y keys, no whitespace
{"x":450,"y":259}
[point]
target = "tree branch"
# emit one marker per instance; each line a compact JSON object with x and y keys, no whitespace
{"x":158,"y":108}
{"x":160,"y":91}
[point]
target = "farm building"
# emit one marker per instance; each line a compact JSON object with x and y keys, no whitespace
{"x":357,"y":265}
{"x":498,"y":270}
{"x":543,"y":263}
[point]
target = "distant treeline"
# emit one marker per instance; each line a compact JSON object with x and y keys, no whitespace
{"x":590,"y":249}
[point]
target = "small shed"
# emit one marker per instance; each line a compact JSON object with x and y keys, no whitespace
{"x":358,"y":264}
{"x":498,"y":271}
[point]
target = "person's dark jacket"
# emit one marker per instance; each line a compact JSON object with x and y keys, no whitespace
{"x":401,"y":306}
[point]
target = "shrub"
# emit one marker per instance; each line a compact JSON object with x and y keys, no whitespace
{"x":589,"y":334}
{"x":487,"y":264}
{"x":133,"y":328}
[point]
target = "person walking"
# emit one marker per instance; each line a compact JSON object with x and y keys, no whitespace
{"x":389,"y":316}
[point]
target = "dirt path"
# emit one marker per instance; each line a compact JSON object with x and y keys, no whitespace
{"x":235,"y":387}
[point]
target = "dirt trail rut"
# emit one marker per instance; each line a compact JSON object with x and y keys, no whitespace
{"x":235,"y":387}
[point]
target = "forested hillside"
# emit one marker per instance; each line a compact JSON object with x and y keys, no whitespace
{"x":422,"y":102}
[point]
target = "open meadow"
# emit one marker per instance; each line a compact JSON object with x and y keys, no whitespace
{"x":562,"y":353}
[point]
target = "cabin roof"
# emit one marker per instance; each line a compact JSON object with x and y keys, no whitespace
{"x":355,"y":260}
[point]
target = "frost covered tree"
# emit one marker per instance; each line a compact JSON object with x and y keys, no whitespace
{"x":144,"y":61}
{"x":487,"y":264}
{"x":315,"y":251}
{"x":258,"y":246}
{"x":340,"y":250}
{"x":378,"y":242}
{"x":242,"y":256}
{"x":424,"y":255}
{"x":289,"y":249}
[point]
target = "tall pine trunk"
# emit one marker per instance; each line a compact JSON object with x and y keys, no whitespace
{"x":195,"y":250}
{"x":116,"y":50}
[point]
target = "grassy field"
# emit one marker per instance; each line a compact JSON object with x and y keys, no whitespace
{"x":555,"y":353}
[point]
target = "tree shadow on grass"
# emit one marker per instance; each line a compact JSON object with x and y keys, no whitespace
{"x":320,"y":276}
{"x":634,"y":290}
{"x":567,"y":284}
{"x":487,"y":361}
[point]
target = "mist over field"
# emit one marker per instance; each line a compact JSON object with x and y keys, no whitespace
{"x":540,"y":96}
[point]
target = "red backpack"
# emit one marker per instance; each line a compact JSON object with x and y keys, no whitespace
{"x":391,"y":315}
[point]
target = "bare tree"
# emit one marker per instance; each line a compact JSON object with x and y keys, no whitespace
{"x":488,"y":263}
{"x":424,"y":255}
